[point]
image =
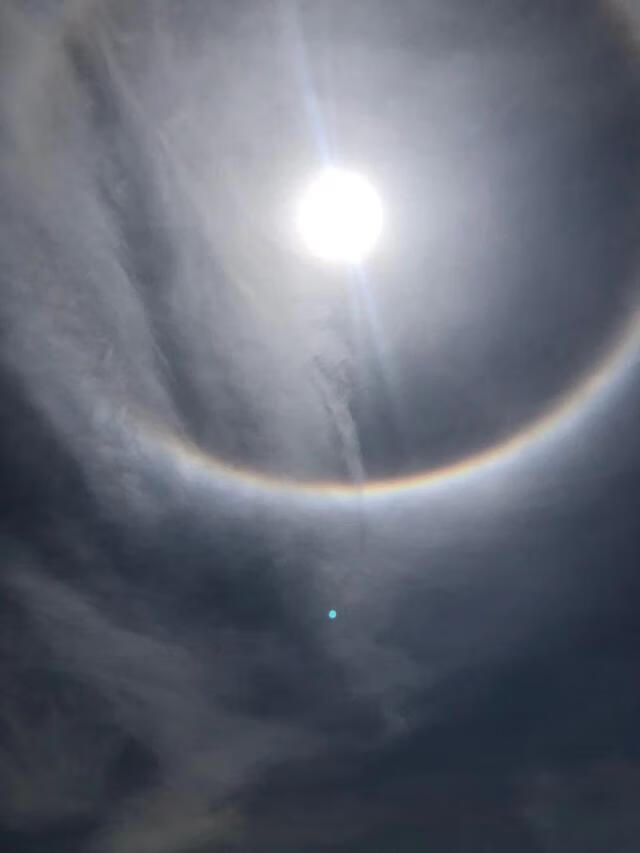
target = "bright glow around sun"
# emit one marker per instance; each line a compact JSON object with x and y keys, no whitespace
{"x":340,"y":216}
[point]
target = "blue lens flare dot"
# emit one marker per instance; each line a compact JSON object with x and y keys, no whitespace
{"x":332,"y":614}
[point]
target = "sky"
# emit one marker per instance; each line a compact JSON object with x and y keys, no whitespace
{"x":300,"y":556}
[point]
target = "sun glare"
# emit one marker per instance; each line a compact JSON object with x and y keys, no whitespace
{"x":340,"y":216}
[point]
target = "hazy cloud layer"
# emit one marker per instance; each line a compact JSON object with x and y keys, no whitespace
{"x":170,"y":680}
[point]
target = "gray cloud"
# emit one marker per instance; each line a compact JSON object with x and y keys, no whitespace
{"x":172,"y":681}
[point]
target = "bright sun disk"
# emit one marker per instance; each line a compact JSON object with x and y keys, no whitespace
{"x":340,"y":216}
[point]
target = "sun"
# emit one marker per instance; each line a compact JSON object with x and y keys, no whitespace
{"x":339,"y":216}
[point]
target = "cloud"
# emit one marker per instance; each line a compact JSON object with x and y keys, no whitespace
{"x":172,"y":681}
